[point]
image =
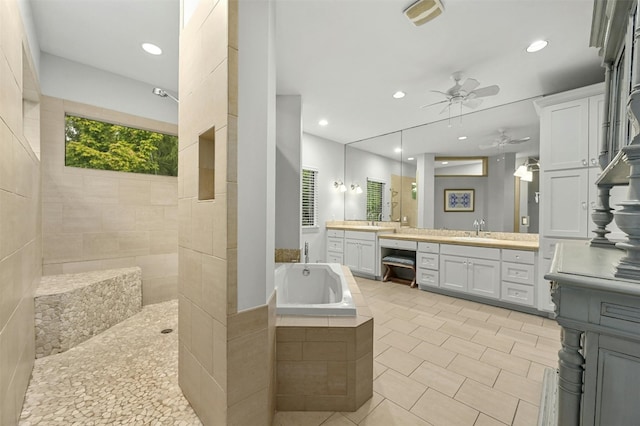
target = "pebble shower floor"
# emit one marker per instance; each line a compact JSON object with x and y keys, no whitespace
{"x":127,"y":375}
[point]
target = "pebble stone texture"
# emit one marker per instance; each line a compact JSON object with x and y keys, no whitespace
{"x":127,"y":375}
{"x":71,"y":308}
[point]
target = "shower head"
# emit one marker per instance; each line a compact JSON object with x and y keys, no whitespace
{"x":163,"y":94}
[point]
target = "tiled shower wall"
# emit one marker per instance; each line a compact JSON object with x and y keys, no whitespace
{"x":20,"y":239}
{"x":98,"y":219}
{"x":226,"y":358}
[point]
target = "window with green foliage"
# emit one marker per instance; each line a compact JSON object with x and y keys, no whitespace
{"x":93,"y":144}
{"x":309,"y":198}
{"x":374,"y":199}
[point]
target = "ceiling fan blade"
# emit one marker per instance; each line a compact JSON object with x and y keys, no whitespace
{"x":469,"y":85}
{"x":435,"y":103}
{"x":440,"y":92}
{"x":448,"y":107}
{"x":472,"y":103}
{"x":516,"y":141}
{"x":485,"y":91}
{"x":489,"y":146}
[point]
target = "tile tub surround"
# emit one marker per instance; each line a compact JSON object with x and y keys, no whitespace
{"x":287,"y":255}
{"x":325,"y":363}
{"x":126,"y":375}
{"x":72,"y":308}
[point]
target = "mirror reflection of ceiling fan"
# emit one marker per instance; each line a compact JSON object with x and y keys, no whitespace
{"x":503,"y":140}
{"x":466,"y":94}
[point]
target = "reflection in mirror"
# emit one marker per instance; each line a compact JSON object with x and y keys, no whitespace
{"x":398,"y":160}
{"x":460,"y":166}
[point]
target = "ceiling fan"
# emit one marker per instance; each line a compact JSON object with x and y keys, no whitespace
{"x":466,"y":94}
{"x":503,"y":140}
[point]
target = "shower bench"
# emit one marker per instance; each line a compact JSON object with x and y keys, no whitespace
{"x":71,"y":308}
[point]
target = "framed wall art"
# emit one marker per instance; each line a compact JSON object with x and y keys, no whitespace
{"x":459,"y":200}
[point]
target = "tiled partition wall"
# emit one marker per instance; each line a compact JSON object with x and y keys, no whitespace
{"x":98,"y":219}
{"x":20,"y":238}
{"x":226,"y":358}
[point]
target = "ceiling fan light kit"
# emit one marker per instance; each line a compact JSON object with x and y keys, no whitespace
{"x":423,"y":11}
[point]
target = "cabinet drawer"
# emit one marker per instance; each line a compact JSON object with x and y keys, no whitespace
{"x":470,"y":251}
{"x":429,"y":247}
{"x":518,"y":272}
{"x":427,"y":260}
{"x":428,"y":278}
{"x":335,"y":244}
{"x":334,"y":258}
{"x":518,"y":256}
{"x":517,"y":293}
{"x":358,"y":235}
{"x":398,"y":244}
{"x":335,"y":233}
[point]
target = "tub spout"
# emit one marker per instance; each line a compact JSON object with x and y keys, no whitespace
{"x":306,"y":270}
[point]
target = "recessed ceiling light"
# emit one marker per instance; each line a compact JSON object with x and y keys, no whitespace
{"x":445,"y":162}
{"x":323,"y":122}
{"x":461,"y":138}
{"x":537,"y":45}
{"x":410,"y":159}
{"x":399,"y":94}
{"x":151,"y":48}
{"x":398,"y":150}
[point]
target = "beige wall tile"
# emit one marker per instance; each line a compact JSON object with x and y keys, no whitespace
{"x":247,"y":322}
{"x":164,"y":194}
{"x":161,"y":289}
{"x":189,"y":274}
{"x":157,"y":265}
{"x":118,"y":218}
{"x":150,"y":218}
{"x":214,"y":286}
{"x":185,"y":307}
{"x":164,"y":241}
{"x":220,"y":353}
{"x":247,"y":372}
{"x":97,"y":245}
{"x":62,"y":247}
{"x":251,"y":410}
{"x":202,"y":338}
{"x":324,"y":351}
{"x":134,"y":192}
{"x":214,"y":408}
{"x":190,"y":376}
{"x":133,"y":243}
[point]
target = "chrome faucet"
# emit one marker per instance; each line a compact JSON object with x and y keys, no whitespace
{"x":306,"y":271}
{"x":380,"y":217}
{"x":476,"y":226}
{"x":482,"y":225}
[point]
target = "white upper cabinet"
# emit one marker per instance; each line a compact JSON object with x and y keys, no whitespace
{"x":566,"y":203}
{"x":571,"y":128}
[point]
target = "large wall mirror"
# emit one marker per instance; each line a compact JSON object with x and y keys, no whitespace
{"x":380,"y":172}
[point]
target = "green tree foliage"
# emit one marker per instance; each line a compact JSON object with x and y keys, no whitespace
{"x":94,"y":144}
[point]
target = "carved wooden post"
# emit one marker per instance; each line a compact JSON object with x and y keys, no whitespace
{"x":602,"y":215}
{"x":570,"y":375}
{"x":628,"y":218}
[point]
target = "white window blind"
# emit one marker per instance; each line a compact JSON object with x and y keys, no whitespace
{"x":309,"y":198}
{"x":374,"y":199}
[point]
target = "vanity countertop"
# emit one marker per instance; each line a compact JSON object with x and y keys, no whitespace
{"x":365,"y":228}
{"x":466,"y":241}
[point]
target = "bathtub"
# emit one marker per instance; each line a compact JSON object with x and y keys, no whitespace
{"x":323,"y":292}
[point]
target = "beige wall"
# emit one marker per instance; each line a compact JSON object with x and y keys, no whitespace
{"x":226,"y":358}
{"x":98,"y":219}
{"x":20,"y":249}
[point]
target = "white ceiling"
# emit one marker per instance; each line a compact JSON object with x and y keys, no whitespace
{"x":347,"y":57}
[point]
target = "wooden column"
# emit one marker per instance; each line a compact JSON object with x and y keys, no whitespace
{"x":570,"y":378}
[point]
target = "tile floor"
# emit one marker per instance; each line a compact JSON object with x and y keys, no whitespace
{"x":439,"y":361}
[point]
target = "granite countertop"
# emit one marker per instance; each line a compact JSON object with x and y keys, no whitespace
{"x":466,"y":241}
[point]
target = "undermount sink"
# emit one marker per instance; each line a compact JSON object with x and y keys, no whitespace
{"x":476,"y":239}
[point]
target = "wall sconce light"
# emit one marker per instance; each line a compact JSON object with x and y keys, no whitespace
{"x":355,"y":187}
{"x":525,"y":171}
{"x":340,"y":186}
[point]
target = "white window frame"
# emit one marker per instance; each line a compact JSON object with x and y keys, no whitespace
{"x":314,"y":201}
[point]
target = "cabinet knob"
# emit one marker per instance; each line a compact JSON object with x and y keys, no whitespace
{"x":584,"y":205}
{"x":584,"y":162}
{"x":470,"y":263}
{"x":517,"y":256}
{"x":594,"y":162}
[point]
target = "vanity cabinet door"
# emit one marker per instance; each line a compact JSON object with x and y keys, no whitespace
{"x":453,"y":272}
{"x":484,"y":277}
{"x":352,"y":254}
{"x":368,"y":257}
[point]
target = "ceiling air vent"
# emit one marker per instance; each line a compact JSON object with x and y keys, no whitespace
{"x":423,"y":11}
